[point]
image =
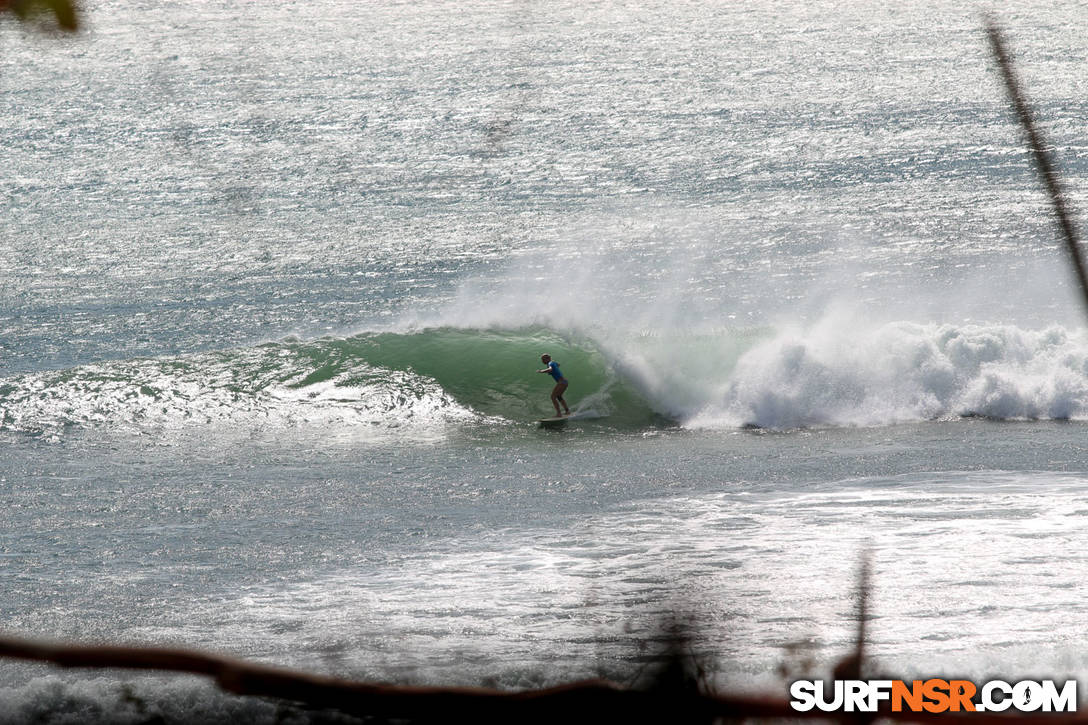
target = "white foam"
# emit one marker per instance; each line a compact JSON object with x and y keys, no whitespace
{"x":843,"y":373}
{"x":245,"y":391}
{"x":106,"y":701}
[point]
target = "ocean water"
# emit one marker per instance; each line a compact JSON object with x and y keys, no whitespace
{"x":276,"y":279}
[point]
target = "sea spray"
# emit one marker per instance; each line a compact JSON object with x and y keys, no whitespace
{"x":844,"y":374}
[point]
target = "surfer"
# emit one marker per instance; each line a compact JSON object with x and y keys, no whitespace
{"x":552,"y":368}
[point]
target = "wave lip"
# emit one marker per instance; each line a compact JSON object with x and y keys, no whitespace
{"x":904,"y":372}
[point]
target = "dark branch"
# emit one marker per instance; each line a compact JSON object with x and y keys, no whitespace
{"x":587,"y":701}
{"x":1039,"y":151}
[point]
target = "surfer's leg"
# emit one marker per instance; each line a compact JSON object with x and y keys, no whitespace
{"x":557,"y":395}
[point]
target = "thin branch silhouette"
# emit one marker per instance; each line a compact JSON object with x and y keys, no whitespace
{"x":1040,"y":152}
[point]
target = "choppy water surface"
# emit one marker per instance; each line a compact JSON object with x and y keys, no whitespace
{"x":275,"y":282}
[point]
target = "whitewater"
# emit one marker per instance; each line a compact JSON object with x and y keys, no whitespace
{"x":271,"y":312}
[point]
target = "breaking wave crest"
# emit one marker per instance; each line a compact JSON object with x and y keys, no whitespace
{"x":902,"y":372}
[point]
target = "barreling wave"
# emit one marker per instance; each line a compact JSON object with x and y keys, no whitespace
{"x":426,"y":381}
{"x":419,"y":381}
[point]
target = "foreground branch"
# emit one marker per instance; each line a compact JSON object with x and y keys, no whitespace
{"x":1048,"y":173}
{"x":578,"y":702}
{"x":567,"y":702}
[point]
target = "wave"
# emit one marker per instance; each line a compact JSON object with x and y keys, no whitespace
{"x":419,"y":383}
{"x":426,"y":381}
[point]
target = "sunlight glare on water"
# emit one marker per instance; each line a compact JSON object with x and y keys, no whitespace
{"x":276,"y":280}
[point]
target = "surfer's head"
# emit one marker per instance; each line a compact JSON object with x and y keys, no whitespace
{"x":545,"y":358}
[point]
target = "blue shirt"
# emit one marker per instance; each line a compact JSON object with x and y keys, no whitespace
{"x":553,"y":370}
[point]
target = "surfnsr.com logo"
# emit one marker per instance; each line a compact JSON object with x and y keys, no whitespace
{"x":933,"y":695}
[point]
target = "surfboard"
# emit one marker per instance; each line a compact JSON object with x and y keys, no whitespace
{"x":553,"y":422}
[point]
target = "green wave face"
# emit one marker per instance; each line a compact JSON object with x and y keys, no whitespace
{"x":491,"y":372}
